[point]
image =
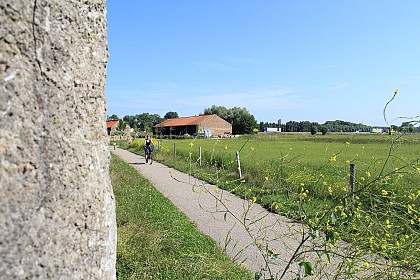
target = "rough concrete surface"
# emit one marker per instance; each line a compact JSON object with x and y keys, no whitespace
{"x":57,"y":210}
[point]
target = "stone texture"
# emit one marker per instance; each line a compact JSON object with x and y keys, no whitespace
{"x":57,"y":210}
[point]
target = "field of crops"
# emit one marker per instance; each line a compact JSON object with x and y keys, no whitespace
{"x":303,"y":158}
{"x":306,"y":177}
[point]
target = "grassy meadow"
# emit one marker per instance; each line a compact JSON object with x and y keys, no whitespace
{"x":306,"y":177}
{"x":156,"y":240}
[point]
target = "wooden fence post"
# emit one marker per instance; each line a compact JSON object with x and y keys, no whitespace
{"x":352,"y":175}
{"x":238,"y":161}
{"x":174,"y":150}
{"x":199,"y":155}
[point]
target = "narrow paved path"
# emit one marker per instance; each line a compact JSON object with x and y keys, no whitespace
{"x":244,"y":229}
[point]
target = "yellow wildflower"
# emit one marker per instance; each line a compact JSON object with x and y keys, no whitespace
{"x":409,"y":209}
{"x":333,"y":158}
{"x":330,"y":190}
{"x":384,"y":192}
{"x":191,"y":144}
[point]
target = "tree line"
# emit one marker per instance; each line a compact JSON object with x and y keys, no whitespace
{"x":243,"y":122}
{"x":337,"y":126}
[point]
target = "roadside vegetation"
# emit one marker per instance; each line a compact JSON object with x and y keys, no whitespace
{"x":156,"y":240}
{"x":306,"y":177}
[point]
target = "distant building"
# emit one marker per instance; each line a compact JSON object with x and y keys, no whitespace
{"x":206,"y":125}
{"x":376,"y":130}
{"x":111,"y":127}
{"x":114,"y":133}
{"x":272,"y":129}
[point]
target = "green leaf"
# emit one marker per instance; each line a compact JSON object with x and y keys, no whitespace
{"x":330,"y":236}
{"x":308,"y":268}
{"x":333,"y":219}
{"x":313,"y":233}
{"x":269,"y":252}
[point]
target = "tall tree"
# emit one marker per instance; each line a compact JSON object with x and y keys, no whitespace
{"x":112,"y":117}
{"x":143,"y":122}
{"x":121,"y":125}
{"x":242,"y":121}
{"x":171,"y":115}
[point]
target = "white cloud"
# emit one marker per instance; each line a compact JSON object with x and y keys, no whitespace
{"x":338,"y":86}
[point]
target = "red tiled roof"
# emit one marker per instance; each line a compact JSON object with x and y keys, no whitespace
{"x":184,"y":121}
{"x":111,"y":123}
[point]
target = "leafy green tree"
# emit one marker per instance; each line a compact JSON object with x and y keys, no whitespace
{"x":407,"y":127}
{"x":112,"y":117}
{"x":171,"y":115}
{"x":121,"y":125}
{"x":324,"y":130}
{"x":314,"y":129}
{"x":242,"y":121}
{"x":221,"y":111}
{"x":143,"y":122}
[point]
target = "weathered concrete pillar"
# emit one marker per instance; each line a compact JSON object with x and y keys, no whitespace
{"x":57,"y":209}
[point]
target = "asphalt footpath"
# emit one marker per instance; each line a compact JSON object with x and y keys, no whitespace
{"x":257,"y":239}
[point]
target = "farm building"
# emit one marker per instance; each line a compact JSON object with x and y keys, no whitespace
{"x":207,"y":125}
{"x":112,"y":128}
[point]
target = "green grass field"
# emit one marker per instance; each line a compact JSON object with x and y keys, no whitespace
{"x":306,"y":178}
{"x":156,"y":240}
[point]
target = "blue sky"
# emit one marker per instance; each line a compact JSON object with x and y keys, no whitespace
{"x":289,"y":60}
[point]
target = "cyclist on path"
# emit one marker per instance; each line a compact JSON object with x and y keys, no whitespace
{"x":148,"y":147}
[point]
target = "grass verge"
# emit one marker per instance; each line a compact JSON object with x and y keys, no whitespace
{"x":306,"y":178}
{"x":156,"y":240}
